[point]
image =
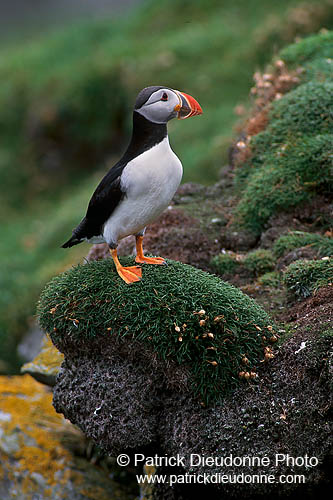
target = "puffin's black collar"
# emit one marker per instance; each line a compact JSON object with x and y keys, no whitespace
{"x":146,"y":135}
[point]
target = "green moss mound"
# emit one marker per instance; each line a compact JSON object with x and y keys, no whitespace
{"x":271,"y":279}
{"x":225,"y":263}
{"x":259,"y":261}
{"x":303,"y":277}
{"x":184,"y":314}
{"x":290,"y":175}
{"x":304,"y":111}
{"x":291,"y":159}
{"x":298,"y":239}
{"x":314,"y":53}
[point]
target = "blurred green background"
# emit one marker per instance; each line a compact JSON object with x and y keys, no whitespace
{"x":69,"y":77}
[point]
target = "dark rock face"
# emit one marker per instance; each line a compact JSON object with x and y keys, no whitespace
{"x":111,"y":399}
{"x":127,"y":401}
{"x":241,"y":240}
{"x":306,"y":252}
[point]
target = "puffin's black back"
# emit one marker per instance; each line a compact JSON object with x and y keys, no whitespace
{"x":109,"y":193}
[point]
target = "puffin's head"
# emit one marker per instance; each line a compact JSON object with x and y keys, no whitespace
{"x":161,"y":104}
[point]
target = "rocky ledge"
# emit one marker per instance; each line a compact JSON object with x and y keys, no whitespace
{"x":126,"y":396}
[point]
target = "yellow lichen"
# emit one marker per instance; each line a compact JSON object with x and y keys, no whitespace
{"x":34,"y":420}
{"x":35,"y":447}
{"x":48,"y":360}
{"x":94,"y":492}
{"x":147,"y":488}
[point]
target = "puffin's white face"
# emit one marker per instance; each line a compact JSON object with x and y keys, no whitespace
{"x":164,"y":104}
{"x":160,"y":107}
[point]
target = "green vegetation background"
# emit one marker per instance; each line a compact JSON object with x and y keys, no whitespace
{"x":65,"y":117}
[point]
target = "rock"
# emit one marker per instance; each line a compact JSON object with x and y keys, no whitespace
{"x":39,"y":450}
{"x":129,"y":400}
{"x":271,"y":234}
{"x":45,"y":367}
{"x":307,"y":252}
{"x":238,"y":240}
{"x":187,"y":192}
{"x":31,"y":343}
{"x":123,"y":405}
{"x":98,"y":252}
{"x":226,"y":180}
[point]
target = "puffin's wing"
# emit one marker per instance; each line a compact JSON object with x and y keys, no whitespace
{"x":105,"y":199}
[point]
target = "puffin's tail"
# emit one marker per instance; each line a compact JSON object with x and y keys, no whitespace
{"x":80,"y":233}
{"x":71,"y":242}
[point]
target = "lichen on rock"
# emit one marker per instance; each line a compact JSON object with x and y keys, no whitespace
{"x":45,"y":366}
{"x":37,"y":449}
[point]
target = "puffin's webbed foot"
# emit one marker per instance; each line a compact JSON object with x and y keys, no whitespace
{"x":140,"y":258}
{"x":149,"y":260}
{"x":128,"y":274}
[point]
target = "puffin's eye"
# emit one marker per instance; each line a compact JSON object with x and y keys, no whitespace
{"x":164,"y":97}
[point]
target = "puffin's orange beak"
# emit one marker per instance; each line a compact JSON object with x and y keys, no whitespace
{"x":187,"y":106}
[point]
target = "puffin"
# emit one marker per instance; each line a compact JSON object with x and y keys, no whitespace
{"x":140,"y":186}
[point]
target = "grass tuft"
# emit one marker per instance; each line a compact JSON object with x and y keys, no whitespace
{"x":259,"y":261}
{"x":304,"y":277}
{"x":271,"y":279}
{"x":291,"y":160}
{"x":225,"y":263}
{"x":297,"y":239}
{"x":255,"y":263}
{"x":290,"y":175}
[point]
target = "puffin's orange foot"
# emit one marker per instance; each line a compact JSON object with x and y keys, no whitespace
{"x":149,"y":260}
{"x":130,"y":274}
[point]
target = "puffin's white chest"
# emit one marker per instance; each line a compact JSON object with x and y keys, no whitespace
{"x":150,"y":181}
